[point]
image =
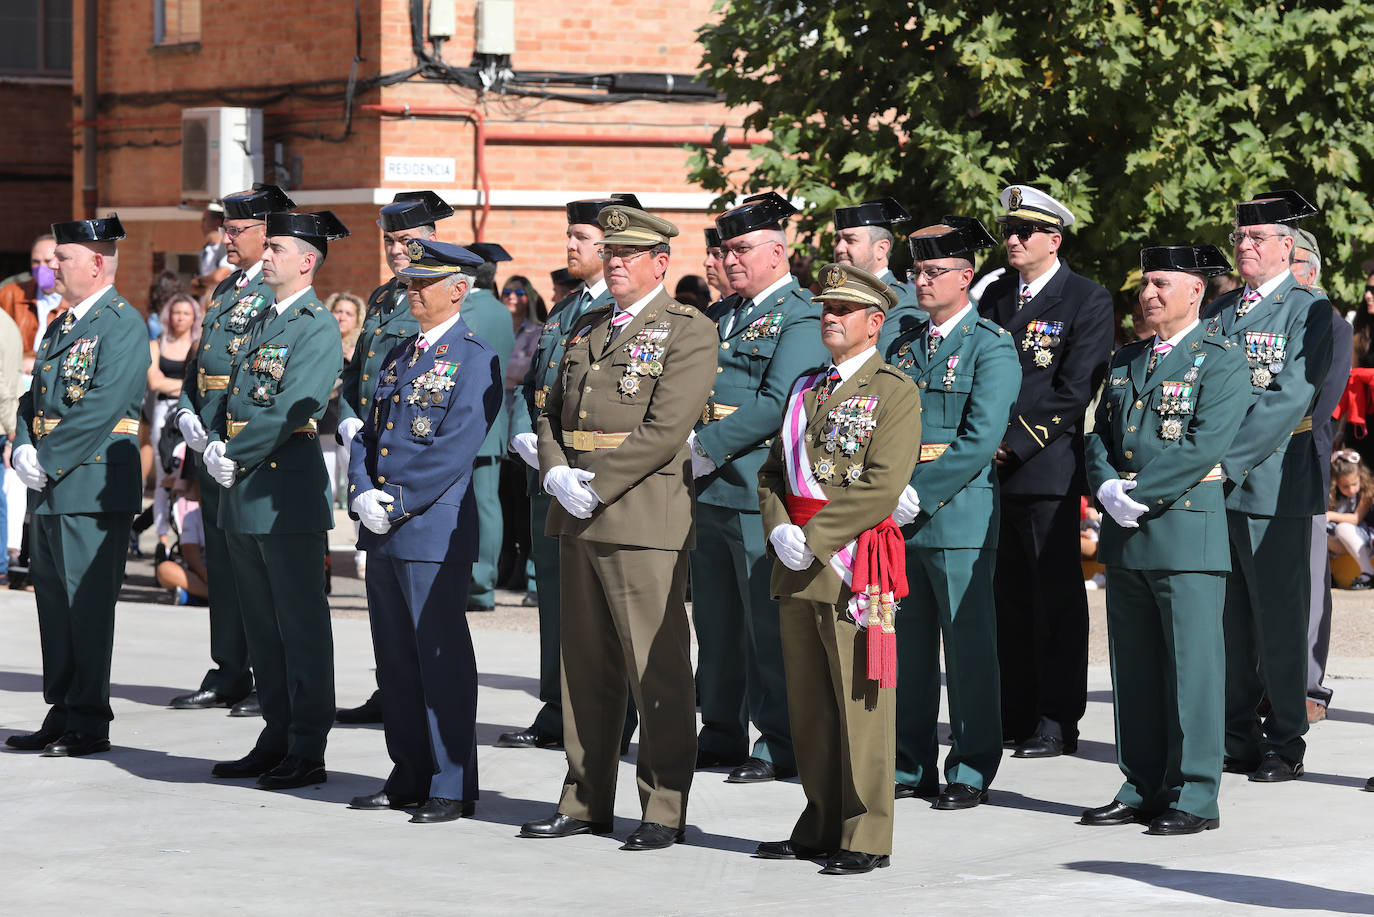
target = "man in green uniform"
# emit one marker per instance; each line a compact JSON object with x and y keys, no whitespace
{"x":486,"y":316}
{"x":864,"y":238}
{"x":584,"y":235}
{"x":410,"y":215}
{"x":76,"y":449}
{"x":612,"y":439}
{"x":969,"y":375}
{"x":767,"y":337}
{"x":849,"y":440}
{"x":1274,"y":488}
{"x":263,"y":450}
{"x":1172,"y":406}
{"x":235,"y":301}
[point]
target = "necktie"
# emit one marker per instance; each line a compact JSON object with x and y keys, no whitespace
{"x":619,"y":321}
{"x":420,"y":345}
{"x":1247,"y":302}
{"x":934,"y":343}
{"x":242,"y":281}
{"x":736,"y":315}
{"x":827,"y":385}
{"x":1023,"y":297}
{"x":1160,"y":351}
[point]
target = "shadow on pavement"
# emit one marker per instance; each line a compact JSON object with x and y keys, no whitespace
{"x":1009,"y":800}
{"x":1259,"y":891}
{"x":153,"y":695}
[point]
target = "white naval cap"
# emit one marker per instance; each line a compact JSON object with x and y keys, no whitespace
{"x":1022,"y":202}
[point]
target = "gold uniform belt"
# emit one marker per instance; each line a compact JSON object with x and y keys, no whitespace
{"x":42,"y":426}
{"x":1216,"y":474}
{"x":931,"y":451}
{"x":540,"y":397}
{"x":590,"y":441}
{"x":713,"y":411}
{"x":208,"y":383}
{"x":1304,"y":426}
{"x":236,"y":427}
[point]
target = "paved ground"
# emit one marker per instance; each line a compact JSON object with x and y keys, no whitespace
{"x":146,"y":830}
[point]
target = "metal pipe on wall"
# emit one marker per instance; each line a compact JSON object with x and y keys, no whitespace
{"x":90,"y":89}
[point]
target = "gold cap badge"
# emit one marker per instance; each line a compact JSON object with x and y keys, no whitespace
{"x":414,"y":250}
{"x":835,"y":276}
{"x":616,"y":220}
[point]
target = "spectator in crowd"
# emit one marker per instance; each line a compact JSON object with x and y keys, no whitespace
{"x":527,"y":314}
{"x":1363,"y":320}
{"x":1352,"y":492}
{"x":186,"y":578}
{"x":214,"y":263}
{"x":33,"y":303}
{"x":11,"y":371}
{"x":165,"y":286}
{"x":563,"y":283}
{"x":1222,"y":283}
{"x":169,"y":356}
{"x":348,"y":311}
{"x":693,"y":290}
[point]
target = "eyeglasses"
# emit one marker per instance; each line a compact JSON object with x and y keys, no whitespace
{"x":234,"y":232}
{"x":1254,"y":238}
{"x":717,"y":252}
{"x":931,"y":273}
{"x":739,"y":251}
{"x":626,"y":255}
{"x":513,"y":291}
{"x":1023,"y":231}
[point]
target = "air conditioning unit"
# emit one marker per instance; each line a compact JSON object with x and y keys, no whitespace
{"x":221,"y":151}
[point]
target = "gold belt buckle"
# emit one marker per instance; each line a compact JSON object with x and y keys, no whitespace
{"x":200,"y":381}
{"x":584,"y":440}
{"x":540,"y":397}
{"x":707,"y":414}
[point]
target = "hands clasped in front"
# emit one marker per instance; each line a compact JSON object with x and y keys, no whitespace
{"x":1112,"y":496}
{"x":570,"y":488}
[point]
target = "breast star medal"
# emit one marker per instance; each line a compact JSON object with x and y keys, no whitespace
{"x":421,"y":426}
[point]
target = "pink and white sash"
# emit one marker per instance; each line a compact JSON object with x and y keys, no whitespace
{"x":800,"y":479}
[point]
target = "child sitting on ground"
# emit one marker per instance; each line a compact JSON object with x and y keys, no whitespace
{"x":1352,"y":492}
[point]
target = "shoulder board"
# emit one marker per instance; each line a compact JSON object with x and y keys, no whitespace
{"x":891,"y":370}
{"x":989,"y":325}
{"x":682,"y":308}
{"x":1128,"y":350}
{"x":1218,"y":342}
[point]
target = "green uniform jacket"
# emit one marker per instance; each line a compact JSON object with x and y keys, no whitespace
{"x":388,"y":322}
{"x":757,"y":363}
{"x":281,"y":381}
{"x":490,"y":321}
{"x":645,"y":483}
{"x":965,"y":406}
{"x":906,"y":316}
{"x":1185,"y":527}
{"x":222,"y":332}
{"x":887,"y":457}
{"x":548,"y":354}
{"x":91,"y":469}
{"x":1273,"y":471}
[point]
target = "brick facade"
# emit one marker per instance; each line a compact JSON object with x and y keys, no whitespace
{"x":35,"y":164}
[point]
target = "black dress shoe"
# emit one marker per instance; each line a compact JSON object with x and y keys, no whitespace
{"x":528,"y":738}
{"x":480,"y":606}
{"x":382,"y":800}
{"x":903,"y":791}
{"x":1369,"y":785}
{"x":34,"y":741}
{"x":560,"y":825}
{"x":788,"y":850}
{"x":1113,"y":813}
{"x":651,"y":835}
{"x":707,"y":759}
{"x":961,"y":796}
{"x":249,"y":706}
{"x":531,"y":600}
{"x":1042,"y":745}
{"x":1275,"y":768}
{"x":437,"y":809}
{"x":1232,"y":765}
{"x":1176,"y":822}
{"x":369,"y":712}
{"x":254,"y":764}
{"x":757,"y":770}
{"x":292,"y":773}
{"x":199,"y":700}
{"x":76,"y":745}
{"x":853,"y":863}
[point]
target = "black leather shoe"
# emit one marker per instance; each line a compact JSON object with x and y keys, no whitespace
{"x":528,"y":738}
{"x":381,"y":800}
{"x":1041,"y":745}
{"x":902,"y":791}
{"x":1275,"y":768}
{"x":1369,"y":785}
{"x":1232,"y":765}
{"x":292,"y":773}
{"x":76,"y":745}
{"x":369,"y":712}
{"x":1113,"y":813}
{"x":249,"y":706}
{"x":437,"y":809}
{"x":651,"y":835}
{"x":254,"y":764}
{"x":480,"y":606}
{"x":34,"y":741}
{"x":852,"y":863}
{"x":961,"y":796}
{"x":1176,"y":822}
{"x":757,"y":770}
{"x":531,"y":600}
{"x":788,"y":850}
{"x":707,"y":759}
{"x":199,"y":700}
{"x":560,"y":825}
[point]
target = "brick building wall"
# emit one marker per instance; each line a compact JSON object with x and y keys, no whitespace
{"x":35,"y":164}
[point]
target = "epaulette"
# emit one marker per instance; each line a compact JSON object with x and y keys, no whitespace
{"x":894,"y":371}
{"x":988,"y":324}
{"x":1127,"y":351}
{"x":682,"y":308}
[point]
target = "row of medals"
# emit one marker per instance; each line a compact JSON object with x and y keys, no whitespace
{"x":1176,"y":400}
{"x":850,"y":424}
{"x":428,"y":389}
{"x":1265,"y":353}
{"x":646,"y":360}
{"x":76,"y":373}
{"x":1041,"y":336}
{"x":275,"y":368}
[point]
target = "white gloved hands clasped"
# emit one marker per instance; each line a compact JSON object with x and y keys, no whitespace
{"x":371,"y":509}
{"x":1112,"y":496}
{"x":223,"y":470}
{"x":789,"y":543}
{"x":908,"y":507}
{"x":348,"y":428}
{"x":192,"y":430}
{"x":526,"y":445}
{"x":24,"y":461}
{"x":569,"y":487}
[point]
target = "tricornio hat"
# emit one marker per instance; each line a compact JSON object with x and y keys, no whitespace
{"x":492,"y":252}
{"x":586,"y":211}
{"x":409,"y":209}
{"x":1282,"y":206}
{"x":759,"y":211}
{"x":952,"y":237}
{"x":256,"y":204}
{"x":1206,"y":260}
{"x":319,"y":229}
{"x":107,"y":229}
{"x":847,"y":283}
{"x":631,"y":226}
{"x":883,"y":212}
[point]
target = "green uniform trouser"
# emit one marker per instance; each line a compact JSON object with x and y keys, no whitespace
{"x":77,"y":565}
{"x":286,"y":618}
{"x":628,"y":622}
{"x":230,"y":678}
{"x":843,"y":729}
{"x":951,"y":597}
{"x":486,"y":490}
{"x":1164,"y":632}
{"x":1265,"y":623}
{"x":739,"y":654}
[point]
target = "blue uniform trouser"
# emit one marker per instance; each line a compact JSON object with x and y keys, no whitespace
{"x":486,"y":490}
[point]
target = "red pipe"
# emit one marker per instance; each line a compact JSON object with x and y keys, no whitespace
{"x":582,"y":139}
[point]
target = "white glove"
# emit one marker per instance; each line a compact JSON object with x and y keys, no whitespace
{"x":1112,"y":496}
{"x":701,"y":464}
{"x":569,"y":487}
{"x":192,"y":430}
{"x":789,"y":543}
{"x":908,"y":507}
{"x":368,"y":506}
{"x":24,"y":461}
{"x":348,"y":428}
{"x":223,"y":470}
{"x":526,"y":445}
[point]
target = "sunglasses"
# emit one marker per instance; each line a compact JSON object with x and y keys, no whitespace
{"x":1022,"y":230}
{"x":513,"y":291}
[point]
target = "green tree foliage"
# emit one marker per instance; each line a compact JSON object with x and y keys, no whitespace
{"x":1148,"y":119}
